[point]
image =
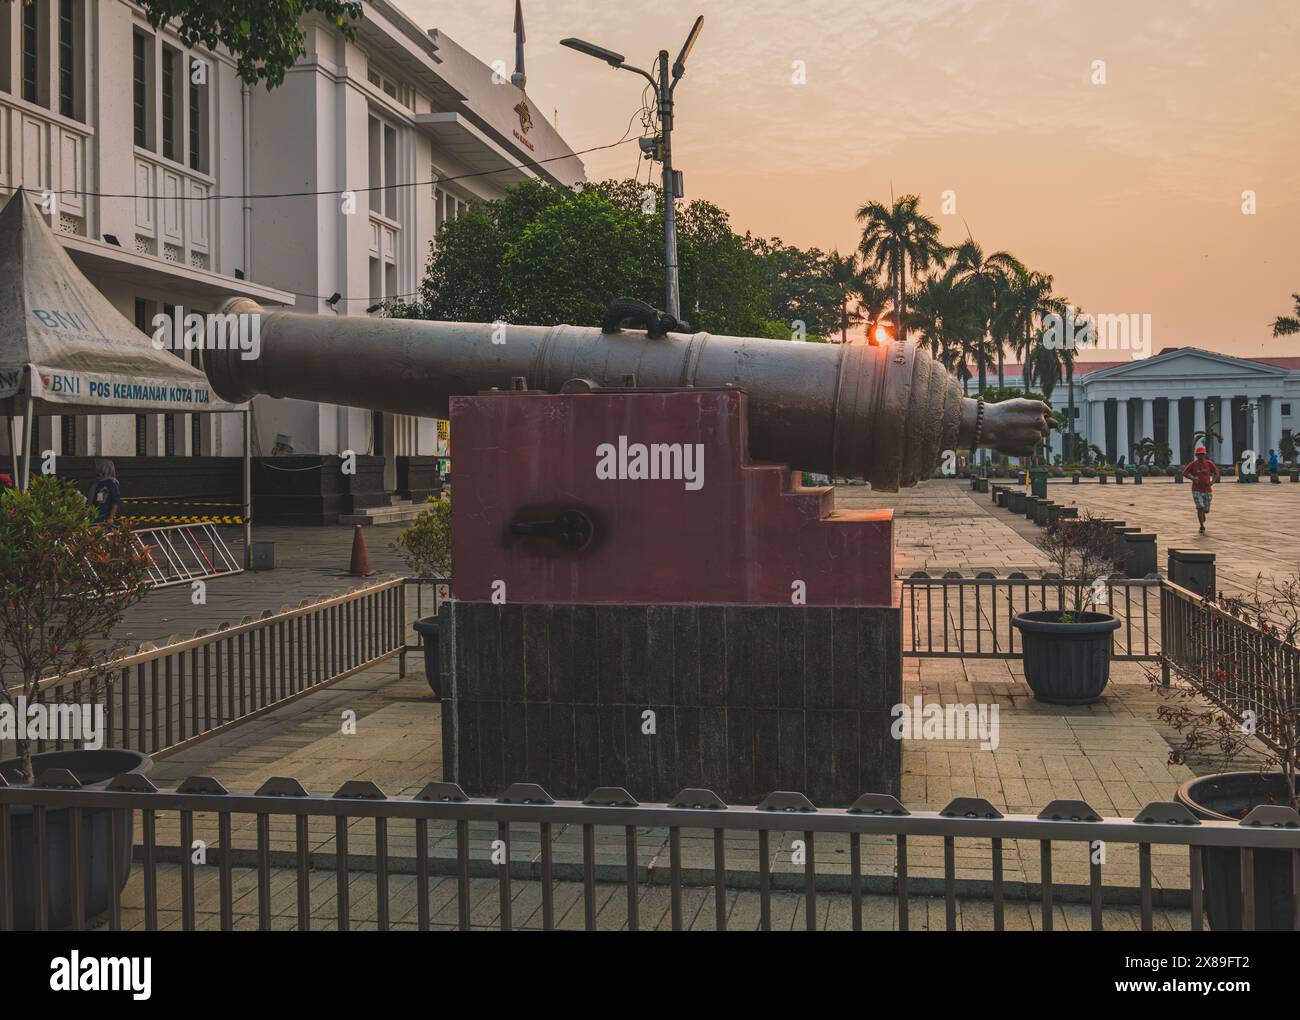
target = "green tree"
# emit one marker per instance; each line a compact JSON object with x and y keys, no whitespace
{"x":849,"y":284}
{"x":65,"y":582}
{"x":896,"y":238}
{"x":1286,"y":325}
{"x":987,"y":277}
{"x":946,"y":313}
{"x":544,"y":255}
{"x":1026,"y":301}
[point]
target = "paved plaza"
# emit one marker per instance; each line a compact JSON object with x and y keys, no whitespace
{"x":1114,"y":755}
{"x":1252,"y":529}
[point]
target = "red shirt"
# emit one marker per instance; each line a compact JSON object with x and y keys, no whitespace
{"x":1203,"y":473}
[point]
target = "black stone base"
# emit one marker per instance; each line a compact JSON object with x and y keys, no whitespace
{"x":302,"y":490}
{"x":418,"y":478}
{"x":745,"y":700}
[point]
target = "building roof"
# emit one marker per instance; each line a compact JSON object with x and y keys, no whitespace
{"x":1014,"y":369}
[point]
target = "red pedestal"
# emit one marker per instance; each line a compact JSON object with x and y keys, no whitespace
{"x":679,"y":514}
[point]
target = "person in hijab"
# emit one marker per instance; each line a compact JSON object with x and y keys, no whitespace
{"x":106,"y":495}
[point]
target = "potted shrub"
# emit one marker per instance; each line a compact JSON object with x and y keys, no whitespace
{"x":1232,"y":701}
{"x":65,"y":583}
{"x":426,"y":549}
{"x":1066,"y":651}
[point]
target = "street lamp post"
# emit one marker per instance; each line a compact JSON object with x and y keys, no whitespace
{"x":664,"y":87}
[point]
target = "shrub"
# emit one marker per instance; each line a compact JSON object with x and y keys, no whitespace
{"x":425,"y":546}
{"x":1080,"y":551}
{"x":64,"y":581}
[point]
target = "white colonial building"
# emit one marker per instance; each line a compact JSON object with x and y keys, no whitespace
{"x":332,"y":186}
{"x":1170,"y":396}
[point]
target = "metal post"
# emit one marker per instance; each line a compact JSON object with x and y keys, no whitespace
{"x":25,"y":481}
{"x":248,"y":487}
{"x":674,"y":300}
{"x":13,"y":447}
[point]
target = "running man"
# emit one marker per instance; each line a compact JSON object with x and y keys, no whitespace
{"x":1204,"y":473}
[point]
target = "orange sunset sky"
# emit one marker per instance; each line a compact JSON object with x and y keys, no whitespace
{"x":1129,"y":193}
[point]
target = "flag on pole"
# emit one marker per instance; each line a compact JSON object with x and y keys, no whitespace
{"x":519,"y":79}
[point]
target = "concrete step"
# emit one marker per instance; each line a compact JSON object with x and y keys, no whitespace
{"x":382,"y":515}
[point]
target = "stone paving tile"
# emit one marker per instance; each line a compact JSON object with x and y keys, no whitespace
{"x":1242,"y":531}
{"x":1114,"y":755}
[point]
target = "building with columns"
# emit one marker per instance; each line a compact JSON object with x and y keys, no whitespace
{"x":1252,"y":402}
{"x":334,"y":186}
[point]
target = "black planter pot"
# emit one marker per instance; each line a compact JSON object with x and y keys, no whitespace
{"x":428,"y":630}
{"x":1227,"y":797}
{"x":94,"y":770}
{"x":1066,"y":663}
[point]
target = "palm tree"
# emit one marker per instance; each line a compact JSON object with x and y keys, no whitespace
{"x":1285,"y":325}
{"x":1025,"y":302}
{"x":987,"y":277}
{"x":949,"y":316}
{"x":872,"y":304}
{"x":843,"y":277}
{"x":895,"y":237}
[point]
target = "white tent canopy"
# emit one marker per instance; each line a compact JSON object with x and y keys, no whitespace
{"x":66,"y":350}
{"x":64,"y":344}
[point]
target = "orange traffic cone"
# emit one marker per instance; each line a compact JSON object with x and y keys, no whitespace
{"x":360,"y":556}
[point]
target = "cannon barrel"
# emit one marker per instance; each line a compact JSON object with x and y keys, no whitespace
{"x":884,"y":413}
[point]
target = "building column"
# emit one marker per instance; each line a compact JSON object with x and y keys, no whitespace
{"x":1097,"y":424}
{"x":1121,"y":432}
{"x":1198,"y":418}
{"x":1256,"y":427}
{"x":1175,"y":430}
{"x":1227,"y":454}
{"x":1148,"y":419}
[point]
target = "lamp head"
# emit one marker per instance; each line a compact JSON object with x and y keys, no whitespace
{"x":592,"y":50}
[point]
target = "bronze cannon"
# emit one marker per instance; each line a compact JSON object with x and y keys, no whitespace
{"x":884,"y":413}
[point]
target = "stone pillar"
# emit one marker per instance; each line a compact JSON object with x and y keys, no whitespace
{"x":1227,"y":454}
{"x":1198,"y":417}
{"x":1257,"y":428}
{"x":1148,"y":419}
{"x":1175,"y":430}
{"x":1097,"y":424}
{"x":1121,"y":432}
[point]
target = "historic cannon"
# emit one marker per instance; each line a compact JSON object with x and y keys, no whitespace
{"x":642,"y":594}
{"x":881,"y":413}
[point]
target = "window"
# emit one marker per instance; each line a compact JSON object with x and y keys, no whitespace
{"x":170,"y":121}
{"x":141,"y":50}
{"x":68,"y":434}
{"x":6,"y":55}
{"x":198,"y":140}
{"x":31,"y":52}
{"x":1286,"y":410}
{"x":382,"y":140}
{"x":68,"y":58}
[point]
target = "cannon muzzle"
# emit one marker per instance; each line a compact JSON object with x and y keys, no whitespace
{"x":883,"y":413}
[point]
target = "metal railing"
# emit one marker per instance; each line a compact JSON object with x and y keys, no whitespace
{"x":1231,"y":663}
{"x":430,"y":594}
{"x":161,"y":700}
{"x":182,"y":553}
{"x":456,"y":844}
{"x":954,"y":616}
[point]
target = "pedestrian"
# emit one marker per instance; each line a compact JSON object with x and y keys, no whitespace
{"x":106,"y":494}
{"x":1204,"y":473}
{"x":1272,"y":465}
